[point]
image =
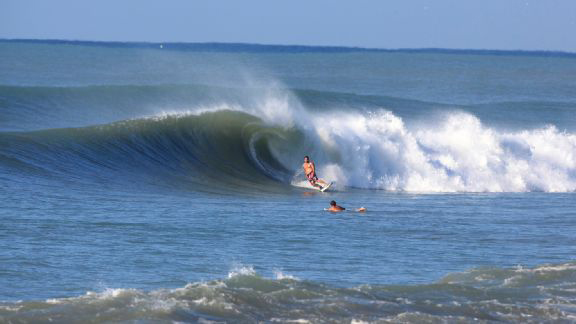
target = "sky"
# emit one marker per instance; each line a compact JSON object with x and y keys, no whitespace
{"x":461,"y":24}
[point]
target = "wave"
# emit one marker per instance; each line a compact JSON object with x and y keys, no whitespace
{"x":545,"y":293}
{"x":258,"y":141}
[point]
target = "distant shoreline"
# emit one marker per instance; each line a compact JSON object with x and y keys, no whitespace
{"x":263,"y":48}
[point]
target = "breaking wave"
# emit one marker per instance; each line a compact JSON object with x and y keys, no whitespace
{"x":545,"y":293}
{"x":259,"y":143}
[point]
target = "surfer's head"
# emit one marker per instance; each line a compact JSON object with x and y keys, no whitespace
{"x":332,"y":203}
{"x":306,"y":159}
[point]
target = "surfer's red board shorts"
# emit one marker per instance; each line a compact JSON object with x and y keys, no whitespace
{"x":312,"y":177}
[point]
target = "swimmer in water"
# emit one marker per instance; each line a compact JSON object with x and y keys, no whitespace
{"x":335,"y":208}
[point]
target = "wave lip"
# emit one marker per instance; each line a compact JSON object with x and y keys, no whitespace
{"x":540,"y":294}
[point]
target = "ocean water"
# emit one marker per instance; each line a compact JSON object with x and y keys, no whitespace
{"x":145,"y":184}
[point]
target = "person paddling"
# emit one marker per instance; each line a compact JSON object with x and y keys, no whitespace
{"x":335,"y":208}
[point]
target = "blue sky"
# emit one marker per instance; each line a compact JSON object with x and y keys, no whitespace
{"x":486,"y":24}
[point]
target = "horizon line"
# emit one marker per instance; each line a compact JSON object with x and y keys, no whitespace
{"x":287,"y":48}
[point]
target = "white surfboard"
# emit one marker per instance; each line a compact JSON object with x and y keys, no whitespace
{"x":326,"y":187}
{"x":307,"y":185}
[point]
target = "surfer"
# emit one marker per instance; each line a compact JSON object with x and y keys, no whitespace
{"x":310,"y":171}
{"x":335,"y":208}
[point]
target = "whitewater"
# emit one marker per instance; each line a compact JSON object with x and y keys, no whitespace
{"x":162,"y":184}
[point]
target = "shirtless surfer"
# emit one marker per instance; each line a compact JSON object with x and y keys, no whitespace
{"x":336,"y":208}
{"x":310,"y":171}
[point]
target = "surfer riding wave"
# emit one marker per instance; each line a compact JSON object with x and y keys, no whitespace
{"x":310,"y":171}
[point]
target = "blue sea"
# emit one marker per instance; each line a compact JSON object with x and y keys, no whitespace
{"x":162,"y":183}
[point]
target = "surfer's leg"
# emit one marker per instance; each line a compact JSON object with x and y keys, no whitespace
{"x":320,"y":183}
{"x":315,"y":184}
{"x":313,"y":179}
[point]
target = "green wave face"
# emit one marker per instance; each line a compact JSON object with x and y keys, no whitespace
{"x":210,"y":150}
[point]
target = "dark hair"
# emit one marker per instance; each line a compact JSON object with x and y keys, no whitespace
{"x":332,"y":203}
{"x":306,"y":157}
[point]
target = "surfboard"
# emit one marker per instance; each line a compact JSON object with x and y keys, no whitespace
{"x":326,"y":187}
{"x":305,"y":184}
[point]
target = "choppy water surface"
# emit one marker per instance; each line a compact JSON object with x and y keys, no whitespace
{"x":155,"y":186}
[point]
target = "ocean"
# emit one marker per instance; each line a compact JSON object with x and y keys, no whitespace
{"x":161,"y":183}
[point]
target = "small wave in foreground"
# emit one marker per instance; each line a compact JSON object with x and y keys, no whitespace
{"x":545,"y":293}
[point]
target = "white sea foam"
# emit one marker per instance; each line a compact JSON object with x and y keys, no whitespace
{"x":460,"y":154}
{"x":240,"y":270}
{"x":280,"y":275}
{"x":284,"y":320}
{"x":11,"y":308}
{"x":547,"y":268}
